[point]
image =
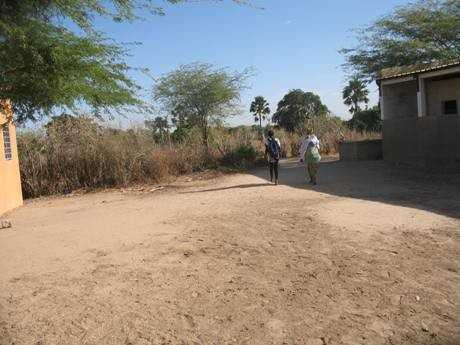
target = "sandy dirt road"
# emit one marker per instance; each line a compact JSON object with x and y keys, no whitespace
{"x":367,"y":257}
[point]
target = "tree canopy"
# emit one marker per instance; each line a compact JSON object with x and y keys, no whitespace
{"x":419,"y":32}
{"x":260,"y":109}
{"x":296,"y":107}
{"x":366,"y":120}
{"x":197,"y":95}
{"x":45,"y":66}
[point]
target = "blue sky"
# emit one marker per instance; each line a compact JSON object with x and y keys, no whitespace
{"x":290,"y":43}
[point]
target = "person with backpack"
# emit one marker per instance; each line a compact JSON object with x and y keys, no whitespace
{"x":273,"y":152}
{"x":309,"y":153}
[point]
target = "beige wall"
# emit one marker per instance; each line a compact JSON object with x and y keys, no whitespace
{"x":400,"y":100}
{"x":10,"y":181}
{"x":438,"y":91}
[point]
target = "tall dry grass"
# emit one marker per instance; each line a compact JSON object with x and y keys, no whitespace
{"x":330,"y":130}
{"x":75,"y":153}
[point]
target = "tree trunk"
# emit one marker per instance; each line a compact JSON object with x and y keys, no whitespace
{"x":205,"y":134}
{"x":206,"y":137}
{"x":169,"y":139}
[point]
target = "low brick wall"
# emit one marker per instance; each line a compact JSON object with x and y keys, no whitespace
{"x":361,"y":150}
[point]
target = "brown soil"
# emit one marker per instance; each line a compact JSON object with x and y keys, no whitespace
{"x":370,"y":256}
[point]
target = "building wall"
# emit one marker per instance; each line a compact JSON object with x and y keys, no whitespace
{"x":10,"y":181}
{"x":438,"y":91}
{"x":400,"y":100}
{"x":430,"y":142}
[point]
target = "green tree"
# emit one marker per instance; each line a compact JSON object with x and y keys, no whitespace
{"x":366,"y":120}
{"x":198,"y":95}
{"x":354,"y":94}
{"x":260,"y":108}
{"x":296,"y":107}
{"x":45,"y":66}
{"x":419,"y":32}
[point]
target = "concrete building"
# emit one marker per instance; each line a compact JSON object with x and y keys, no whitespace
{"x":420,"y":108}
{"x":10,"y":181}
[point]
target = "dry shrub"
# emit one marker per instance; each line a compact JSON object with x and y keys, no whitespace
{"x":74,"y":153}
{"x":78,"y":153}
{"x":239,"y":147}
{"x":331,"y":131}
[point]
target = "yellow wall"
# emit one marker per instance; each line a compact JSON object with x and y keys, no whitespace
{"x":10,"y":181}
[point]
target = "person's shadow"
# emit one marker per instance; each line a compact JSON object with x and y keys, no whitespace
{"x":241,"y":186}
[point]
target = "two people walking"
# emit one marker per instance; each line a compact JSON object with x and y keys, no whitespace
{"x":309,"y":155}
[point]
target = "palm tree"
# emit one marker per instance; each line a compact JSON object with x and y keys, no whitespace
{"x":260,"y":109}
{"x":354,"y":94}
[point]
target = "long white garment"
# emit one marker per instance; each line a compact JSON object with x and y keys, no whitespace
{"x":304,"y":145}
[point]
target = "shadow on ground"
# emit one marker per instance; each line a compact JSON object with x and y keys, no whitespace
{"x":378,"y":181}
{"x":241,"y":186}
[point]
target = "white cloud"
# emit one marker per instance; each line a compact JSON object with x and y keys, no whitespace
{"x":288,"y":22}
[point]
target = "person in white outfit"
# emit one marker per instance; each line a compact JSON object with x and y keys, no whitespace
{"x":305,"y":143}
{"x":309,"y":153}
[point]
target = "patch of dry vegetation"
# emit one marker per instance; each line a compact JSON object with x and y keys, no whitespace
{"x":75,"y":153}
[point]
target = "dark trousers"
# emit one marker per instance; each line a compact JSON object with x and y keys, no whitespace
{"x":273,"y":170}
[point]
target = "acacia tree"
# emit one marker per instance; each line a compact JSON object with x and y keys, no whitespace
{"x":296,"y":107}
{"x":197,"y":95}
{"x":419,"y":32}
{"x":260,"y":109}
{"x":46,"y":66}
{"x":354,"y":94}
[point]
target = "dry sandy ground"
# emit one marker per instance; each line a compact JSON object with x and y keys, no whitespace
{"x":368,"y":257}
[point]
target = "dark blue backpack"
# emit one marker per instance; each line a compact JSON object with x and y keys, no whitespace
{"x":273,"y":148}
